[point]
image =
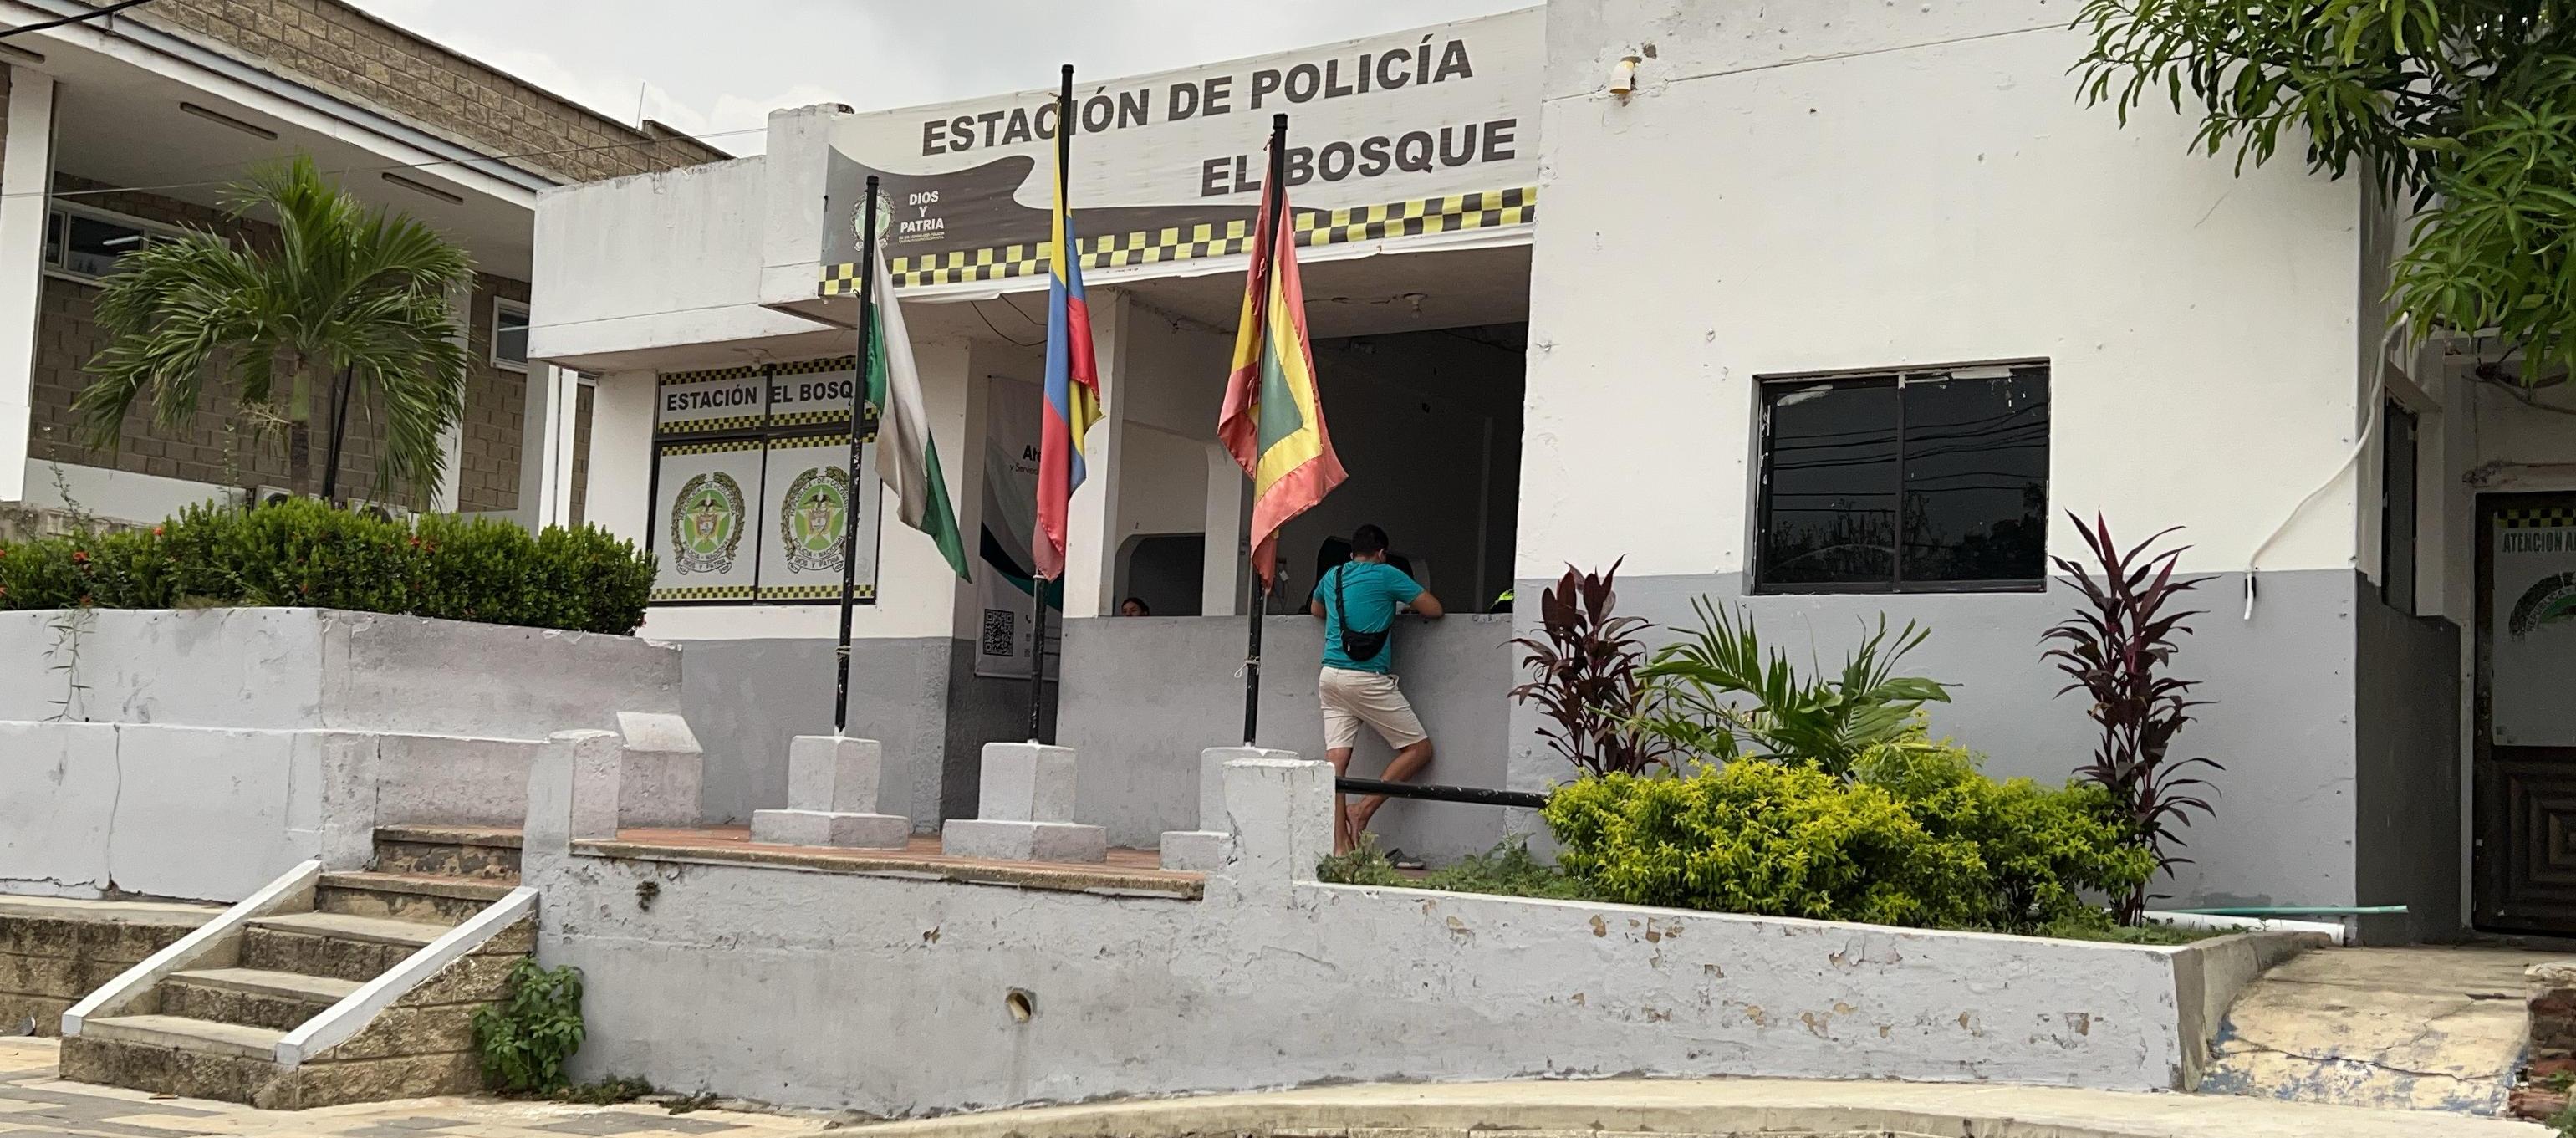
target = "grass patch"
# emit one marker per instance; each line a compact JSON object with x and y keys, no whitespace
{"x":610,"y":1091}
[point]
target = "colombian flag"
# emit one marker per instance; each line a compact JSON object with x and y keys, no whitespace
{"x":1072,"y":389}
{"x":1273,"y":419}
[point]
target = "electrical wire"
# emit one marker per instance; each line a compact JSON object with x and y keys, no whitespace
{"x":978,"y":306}
{"x":2369,"y":429}
{"x":41,"y":25}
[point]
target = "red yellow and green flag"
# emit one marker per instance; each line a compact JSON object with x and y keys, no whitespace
{"x":1273,"y":420}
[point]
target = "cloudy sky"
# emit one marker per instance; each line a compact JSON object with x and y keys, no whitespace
{"x":718,"y":69}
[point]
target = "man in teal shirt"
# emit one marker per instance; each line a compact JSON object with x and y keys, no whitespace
{"x":1357,"y":601}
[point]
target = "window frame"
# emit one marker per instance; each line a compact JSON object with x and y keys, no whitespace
{"x":57,"y":264}
{"x":1757,"y":545}
{"x":492,"y":344}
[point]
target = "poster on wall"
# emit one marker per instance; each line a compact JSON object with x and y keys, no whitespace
{"x":806,"y":513}
{"x":1430,"y":131}
{"x":1010,"y":518}
{"x":2533,"y":637}
{"x":702,"y":521}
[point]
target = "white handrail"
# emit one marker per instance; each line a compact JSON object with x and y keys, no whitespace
{"x":355,"y":1010}
{"x":296,"y":885}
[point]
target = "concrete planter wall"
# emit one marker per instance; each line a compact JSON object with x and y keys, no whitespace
{"x":902,"y":996}
{"x":290,"y":669}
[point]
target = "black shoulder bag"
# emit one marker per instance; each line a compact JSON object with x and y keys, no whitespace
{"x":1359,"y":647}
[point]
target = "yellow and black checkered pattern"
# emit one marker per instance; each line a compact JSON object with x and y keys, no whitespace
{"x":726,"y":447}
{"x":705,"y":593}
{"x":815,"y":593}
{"x":1481,"y":210}
{"x":755,"y":371}
{"x":2536,"y":517}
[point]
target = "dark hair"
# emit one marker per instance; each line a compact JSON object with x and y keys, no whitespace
{"x":1139,"y":602}
{"x":1368,"y":539}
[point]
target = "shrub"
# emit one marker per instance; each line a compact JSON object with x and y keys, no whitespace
{"x":1508,"y":870}
{"x":311,"y":554}
{"x":1916,"y":837}
{"x":2042,"y":849}
{"x":1718,"y":692}
{"x":1766,"y":838}
{"x":1584,"y":676}
{"x":525,"y":1040}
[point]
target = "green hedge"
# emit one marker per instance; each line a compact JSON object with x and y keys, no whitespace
{"x":1918,"y":837}
{"x":307,"y":553}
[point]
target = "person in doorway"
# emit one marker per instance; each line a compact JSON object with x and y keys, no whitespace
{"x":1357,"y":601}
{"x":1134,"y":606}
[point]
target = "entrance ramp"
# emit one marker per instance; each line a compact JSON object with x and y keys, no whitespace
{"x":2423,"y":1028}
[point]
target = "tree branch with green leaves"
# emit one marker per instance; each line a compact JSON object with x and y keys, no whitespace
{"x":2465,"y":108}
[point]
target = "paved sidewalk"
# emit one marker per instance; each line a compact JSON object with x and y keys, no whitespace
{"x":33,"y":1102}
{"x":2426,"y":1028}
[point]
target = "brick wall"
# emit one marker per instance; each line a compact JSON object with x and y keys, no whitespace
{"x":339,"y":49}
{"x":219,"y":446}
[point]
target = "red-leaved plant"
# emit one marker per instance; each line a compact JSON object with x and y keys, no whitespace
{"x":1583,"y":676}
{"x":2116,"y":649}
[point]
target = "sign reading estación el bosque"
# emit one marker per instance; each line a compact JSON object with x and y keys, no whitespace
{"x":1421,"y":133}
{"x":752,"y":498}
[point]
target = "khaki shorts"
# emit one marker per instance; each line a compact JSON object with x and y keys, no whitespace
{"x":1353,"y":698}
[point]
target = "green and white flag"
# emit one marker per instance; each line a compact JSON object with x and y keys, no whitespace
{"x":907,"y":457}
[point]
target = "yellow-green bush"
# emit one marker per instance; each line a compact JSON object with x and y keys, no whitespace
{"x":1918,"y":837}
{"x":307,"y":553}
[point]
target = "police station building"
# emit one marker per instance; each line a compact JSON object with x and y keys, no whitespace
{"x":1824,"y":315}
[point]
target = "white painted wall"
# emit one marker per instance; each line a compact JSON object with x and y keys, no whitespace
{"x":117,"y":495}
{"x":1846,"y":185}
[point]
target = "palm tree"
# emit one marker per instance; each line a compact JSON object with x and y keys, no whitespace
{"x":354,"y":293}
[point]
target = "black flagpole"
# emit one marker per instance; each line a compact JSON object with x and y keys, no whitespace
{"x":858,"y":427}
{"x":1274,"y":197}
{"x":1064,"y":126}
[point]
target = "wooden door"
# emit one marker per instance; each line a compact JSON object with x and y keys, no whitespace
{"x":2525,"y":744}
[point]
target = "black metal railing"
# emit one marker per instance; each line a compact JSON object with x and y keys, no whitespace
{"x":1474,"y":796}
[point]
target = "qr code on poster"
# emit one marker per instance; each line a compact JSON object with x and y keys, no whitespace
{"x":1001,"y":632}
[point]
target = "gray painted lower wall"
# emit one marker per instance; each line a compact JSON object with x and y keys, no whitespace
{"x":746,"y":698}
{"x":2281,"y":689}
{"x":1143,"y":696}
{"x":2406,"y":709}
{"x":982,"y":709}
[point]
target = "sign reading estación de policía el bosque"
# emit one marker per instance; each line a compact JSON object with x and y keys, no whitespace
{"x":1432,"y":131}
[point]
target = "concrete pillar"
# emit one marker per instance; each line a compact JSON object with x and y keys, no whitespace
{"x":621,"y":453}
{"x":26,"y":178}
{"x":1026,"y":806}
{"x":546,"y":445}
{"x":1093,"y":524}
{"x":833,"y":786}
{"x":1280,"y":813}
{"x":662,"y":771}
{"x":572,"y":791}
{"x":1203,"y":850}
{"x":1229,"y":499}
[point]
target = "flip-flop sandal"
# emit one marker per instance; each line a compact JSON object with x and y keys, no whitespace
{"x":1400,"y":860}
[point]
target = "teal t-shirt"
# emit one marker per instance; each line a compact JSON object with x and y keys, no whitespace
{"x":1372,"y":589}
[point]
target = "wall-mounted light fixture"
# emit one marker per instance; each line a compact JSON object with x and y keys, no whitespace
{"x":424,"y":188}
{"x":228,"y":120}
{"x":20,"y":54}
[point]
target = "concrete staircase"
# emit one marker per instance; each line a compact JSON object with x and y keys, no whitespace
{"x":334,"y":993}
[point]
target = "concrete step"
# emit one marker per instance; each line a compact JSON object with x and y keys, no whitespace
{"x":250,"y":997}
{"x":483,"y":852}
{"x":408,"y":896}
{"x":186,"y":1034}
{"x":174,"y":1055}
{"x":337,"y":945}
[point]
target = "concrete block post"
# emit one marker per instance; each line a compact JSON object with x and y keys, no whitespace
{"x":1027,"y":810}
{"x":572,"y":791}
{"x":664,"y":773}
{"x":1203,"y":850}
{"x":832,"y":787}
{"x":348,"y":799}
{"x":1280,"y":813}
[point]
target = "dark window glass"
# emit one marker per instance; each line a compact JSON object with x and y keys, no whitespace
{"x":1829,"y":509}
{"x":94,"y":245}
{"x":2397,"y":512}
{"x":1976,"y":478}
{"x":1926,"y":481}
{"x":509,"y":335}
